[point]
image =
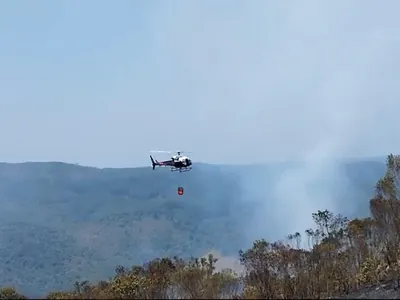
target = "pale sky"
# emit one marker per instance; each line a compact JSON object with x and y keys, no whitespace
{"x":103,"y":82}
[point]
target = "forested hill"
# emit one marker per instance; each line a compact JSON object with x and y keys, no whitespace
{"x":60,"y":223}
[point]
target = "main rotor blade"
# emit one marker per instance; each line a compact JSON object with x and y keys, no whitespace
{"x":161,"y":151}
{"x":164,"y":151}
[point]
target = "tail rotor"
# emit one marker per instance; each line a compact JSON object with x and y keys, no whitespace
{"x":154,"y":163}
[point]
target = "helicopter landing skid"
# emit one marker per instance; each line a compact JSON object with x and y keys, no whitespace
{"x":181,"y":170}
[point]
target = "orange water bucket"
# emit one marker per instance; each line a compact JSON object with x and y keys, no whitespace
{"x":180,"y":191}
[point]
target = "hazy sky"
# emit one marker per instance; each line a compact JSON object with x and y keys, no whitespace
{"x":103,"y":82}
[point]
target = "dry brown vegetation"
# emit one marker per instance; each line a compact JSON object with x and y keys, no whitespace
{"x":343,"y":255}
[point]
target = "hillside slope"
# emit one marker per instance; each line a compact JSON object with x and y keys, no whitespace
{"x":60,"y":223}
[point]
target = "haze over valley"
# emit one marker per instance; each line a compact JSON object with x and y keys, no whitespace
{"x":63,"y":223}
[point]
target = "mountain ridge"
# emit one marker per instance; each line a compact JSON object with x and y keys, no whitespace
{"x":61,"y":222}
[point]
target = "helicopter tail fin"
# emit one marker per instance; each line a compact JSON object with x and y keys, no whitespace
{"x":154,"y":163}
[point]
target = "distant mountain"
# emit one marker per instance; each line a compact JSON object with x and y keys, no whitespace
{"x":60,"y":223}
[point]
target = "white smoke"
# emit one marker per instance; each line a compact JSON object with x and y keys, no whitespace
{"x":311,"y":81}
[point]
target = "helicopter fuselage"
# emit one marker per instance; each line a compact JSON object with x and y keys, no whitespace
{"x":176,"y":163}
{"x":181,"y":163}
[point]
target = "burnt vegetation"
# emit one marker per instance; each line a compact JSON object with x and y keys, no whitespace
{"x":336,"y":259}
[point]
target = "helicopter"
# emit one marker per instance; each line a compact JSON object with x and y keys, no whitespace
{"x":177,"y":162}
